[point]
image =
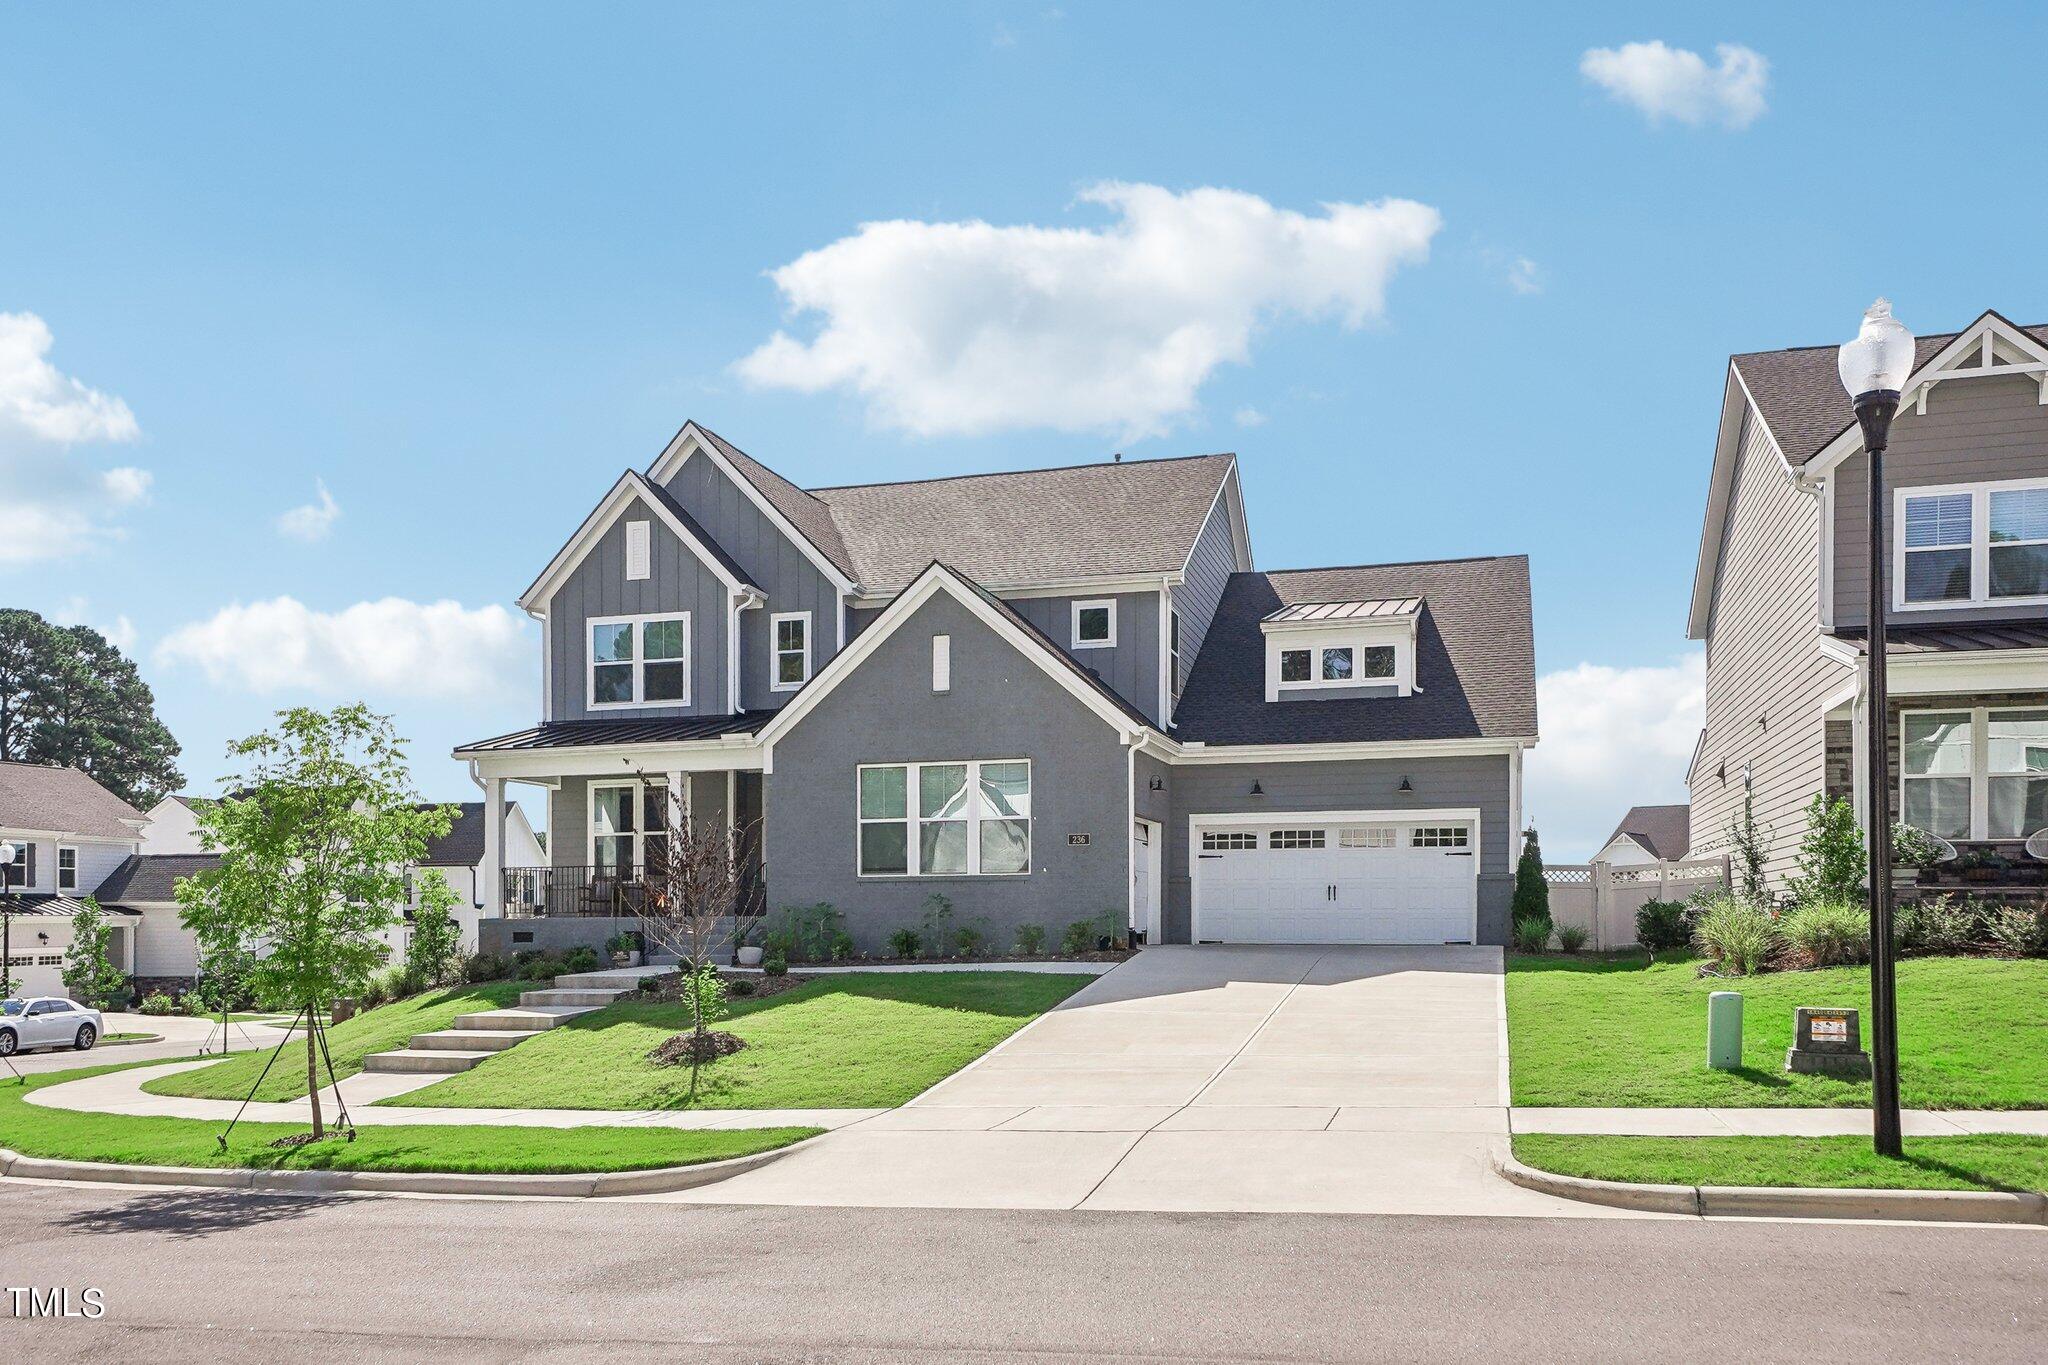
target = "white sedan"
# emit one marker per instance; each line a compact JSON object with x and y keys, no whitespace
{"x":47,"y":1021}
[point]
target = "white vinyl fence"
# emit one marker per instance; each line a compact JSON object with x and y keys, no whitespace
{"x":1603,"y":899}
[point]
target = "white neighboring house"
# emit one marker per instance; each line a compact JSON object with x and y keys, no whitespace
{"x":459,"y":856}
{"x":70,"y":836}
{"x":1648,"y":834}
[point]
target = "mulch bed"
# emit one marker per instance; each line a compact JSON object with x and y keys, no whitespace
{"x":683,"y":1049}
{"x":763,"y":986}
{"x":992,"y":960}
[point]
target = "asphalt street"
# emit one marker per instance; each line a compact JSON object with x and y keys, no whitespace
{"x":222,"y":1277}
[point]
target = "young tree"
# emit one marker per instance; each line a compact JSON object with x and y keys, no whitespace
{"x":699,"y":886}
{"x":68,"y":697}
{"x":313,"y":850}
{"x":1831,"y":858}
{"x":89,"y":971}
{"x":1746,"y":840}
{"x":436,"y":938}
{"x":1532,"y":893}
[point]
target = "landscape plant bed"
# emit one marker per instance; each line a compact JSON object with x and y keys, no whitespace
{"x":1618,"y":1030}
{"x":965,"y":960}
{"x":378,"y":1030}
{"x":856,"y":1041}
{"x":759,"y":986}
{"x":1991,"y":1161}
{"x":68,"y":1135}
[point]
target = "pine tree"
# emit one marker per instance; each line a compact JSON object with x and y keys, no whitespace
{"x":1532,"y":893}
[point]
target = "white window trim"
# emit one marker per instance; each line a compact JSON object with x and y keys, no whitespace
{"x":911,"y":820}
{"x":1980,"y":763}
{"x":639,"y":624}
{"x":640,"y":548}
{"x":1980,"y":544}
{"x":775,"y":651}
{"x":1400,"y":639}
{"x":1074,"y":620}
{"x":1173,"y":629}
{"x":63,"y":849}
{"x":679,"y":809}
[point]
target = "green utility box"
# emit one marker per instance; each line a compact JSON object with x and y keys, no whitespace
{"x":1724,"y":1030}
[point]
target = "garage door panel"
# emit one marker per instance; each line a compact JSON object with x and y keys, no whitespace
{"x":1361,"y":886}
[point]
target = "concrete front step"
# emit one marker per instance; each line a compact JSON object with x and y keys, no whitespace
{"x":583,"y":997}
{"x":612,"y":978}
{"x":471,"y":1040}
{"x":441,"y":1063}
{"x":517,"y":1020}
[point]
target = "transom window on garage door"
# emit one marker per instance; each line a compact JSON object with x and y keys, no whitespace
{"x":1440,"y":836}
{"x":1229,"y":841}
{"x":1366,"y":836}
{"x":1295,"y":838}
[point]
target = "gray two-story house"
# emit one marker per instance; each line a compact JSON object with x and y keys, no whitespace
{"x":1781,"y":596}
{"x":1050,"y":696}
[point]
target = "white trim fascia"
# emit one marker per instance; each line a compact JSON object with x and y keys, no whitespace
{"x":612,"y":760}
{"x":1074,"y":610}
{"x":775,"y":650}
{"x":1197,"y":753}
{"x":661,"y":471}
{"x":68,"y":836}
{"x":1840,"y":650}
{"x":1241,"y":552}
{"x":1827,"y":552}
{"x":547,"y":667}
{"x":1514,"y":809}
{"x":1449,"y":815}
{"x":1166,"y":678}
{"x":935,"y":579}
{"x":1721,"y":494}
{"x":1623,"y":838}
{"x":631,"y":484}
{"x":1045,"y":587}
{"x":1990,"y":670}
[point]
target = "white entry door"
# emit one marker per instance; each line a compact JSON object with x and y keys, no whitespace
{"x":1145,"y":851}
{"x":1319,"y":881}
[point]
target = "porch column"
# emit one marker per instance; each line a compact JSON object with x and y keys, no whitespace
{"x":1860,"y":765}
{"x":493,"y":888}
{"x":679,"y":799}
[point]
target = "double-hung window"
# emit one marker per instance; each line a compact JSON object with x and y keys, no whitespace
{"x":1972,"y":546}
{"x":790,"y":666}
{"x":67,"y":868}
{"x":1980,"y":773}
{"x":945,"y":819}
{"x":15,"y":873}
{"x":628,"y":827}
{"x":640,"y":661}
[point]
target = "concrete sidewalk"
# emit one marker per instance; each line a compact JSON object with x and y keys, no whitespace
{"x":1773,"y":1122}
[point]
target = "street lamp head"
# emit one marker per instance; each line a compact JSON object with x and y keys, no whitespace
{"x":1874,"y":367}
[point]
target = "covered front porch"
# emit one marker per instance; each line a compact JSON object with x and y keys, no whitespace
{"x":1966,"y":744}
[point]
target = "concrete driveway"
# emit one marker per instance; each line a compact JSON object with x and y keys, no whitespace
{"x":1307,"y":1079}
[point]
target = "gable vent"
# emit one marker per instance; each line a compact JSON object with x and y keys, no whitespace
{"x":636,"y":550}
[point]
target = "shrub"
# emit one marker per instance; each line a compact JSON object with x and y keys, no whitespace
{"x":436,"y":938}
{"x":650,"y":985}
{"x":704,"y":991}
{"x":1532,"y":893}
{"x":938,"y":922}
{"x":1031,"y":938}
{"x":156,"y":1002}
{"x":971,"y":939}
{"x":904,"y":942}
{"x":1914,"y":847}
{"x":742,"y":986}
{"x":1831,"y":859}
{"x":775,"y":964}
{"x":1571,"y":937}
{"x":807,"y":932}
{"x":1532,"y":935}
{"x":581,"y":958}
{"x":2019,"y":929}
{"x":842,"y":946}
{"x":1830,"y":932}
{"x":1663,"y":926}
{"x":1739,"y":938}
{"x":485,"y":967}
{"x":1078,"y":937}
{"x":540,"y":967}
{"x":625,"y":941}
{"x":1938,"y":924}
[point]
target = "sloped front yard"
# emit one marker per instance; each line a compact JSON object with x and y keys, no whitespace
{"x":866,"y":1040}
{"x":1620,"y":1032}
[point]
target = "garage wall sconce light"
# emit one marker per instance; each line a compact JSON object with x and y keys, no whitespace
{"x":1406,"y":788}
{"x":1257,"y":790}
{"x":1159,"y":784}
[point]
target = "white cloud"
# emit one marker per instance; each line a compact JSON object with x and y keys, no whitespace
{"x":390,"y":647}
{"x":1248,"y":416}
{"x":968,"y":328}
{"x":1524,"y":277}
{"x":77,"y":611}
{"x":313,"y":520}
{"x":1612,"y":738}
{"x":1674,"y":83}
{"x":53,"y":506}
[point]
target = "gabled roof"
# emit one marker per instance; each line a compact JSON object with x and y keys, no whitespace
{"x":633,"y":484}
{"x":1800,"y":397}
{"x":1136,"y":517}
{"x":811,"y":517}
{"x":152,"y":878}
{"x":1663,"y":831}
{"x":35,"y":796}
{"x":463,"y":844}
{"x":1475,"y":660}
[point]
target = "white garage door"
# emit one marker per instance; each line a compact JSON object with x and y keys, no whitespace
{"x":1359,"y":882}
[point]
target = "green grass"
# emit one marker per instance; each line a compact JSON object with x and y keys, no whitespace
{"x":2000,"y":1161}
{"x":65,"y":1135}
{"x":378,"y":1030}
{"x":1973,"y":1034}
{"x":865,"y":1040}
{"x":125,"y":1037}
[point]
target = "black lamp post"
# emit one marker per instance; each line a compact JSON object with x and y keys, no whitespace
{"x":1874,"y":367}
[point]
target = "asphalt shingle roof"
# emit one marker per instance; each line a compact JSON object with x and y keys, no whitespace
{"x":1475,"y":665}
{"x":62,"y":801}
{"x":152,"y":878}
{"x":463,"y":844}
{"x":1799,"y":391}
{"x":1666,"y":831}
{"x":805,"y":512}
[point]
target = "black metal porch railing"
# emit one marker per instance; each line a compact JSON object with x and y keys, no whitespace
{"x":557,"y":892}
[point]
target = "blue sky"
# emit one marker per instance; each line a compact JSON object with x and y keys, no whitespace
{"x":460,"y":264}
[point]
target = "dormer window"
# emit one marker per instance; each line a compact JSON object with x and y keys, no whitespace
{"x":1095,"y":624}
{"x":1342,"y":648}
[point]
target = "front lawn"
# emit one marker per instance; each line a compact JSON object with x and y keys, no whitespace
{"x":65,"y":1135}
{"x":1591,"y":1031}
{"x":865,"y":1040}
{"x":378,"y":1030}
{"x":1992,"y":1161}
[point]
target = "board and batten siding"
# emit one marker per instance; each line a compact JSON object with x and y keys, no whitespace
{"x":678,"y":581}
{"x":1210,"y":565}
{"x":1766,"y":676}
{"x":1974,"y":431}
{"x":1131,"y":667}
{"x":569,"y":811}
{"x":774,"y":563}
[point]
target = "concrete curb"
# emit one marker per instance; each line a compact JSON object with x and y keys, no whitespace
{"x":1755,"y":1201}
{"x":132,"y":1042}
{"x":14,"y":1166}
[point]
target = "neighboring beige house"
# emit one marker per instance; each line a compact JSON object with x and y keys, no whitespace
{"x":1648,"y":834}
{"x":1781,"y":589}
